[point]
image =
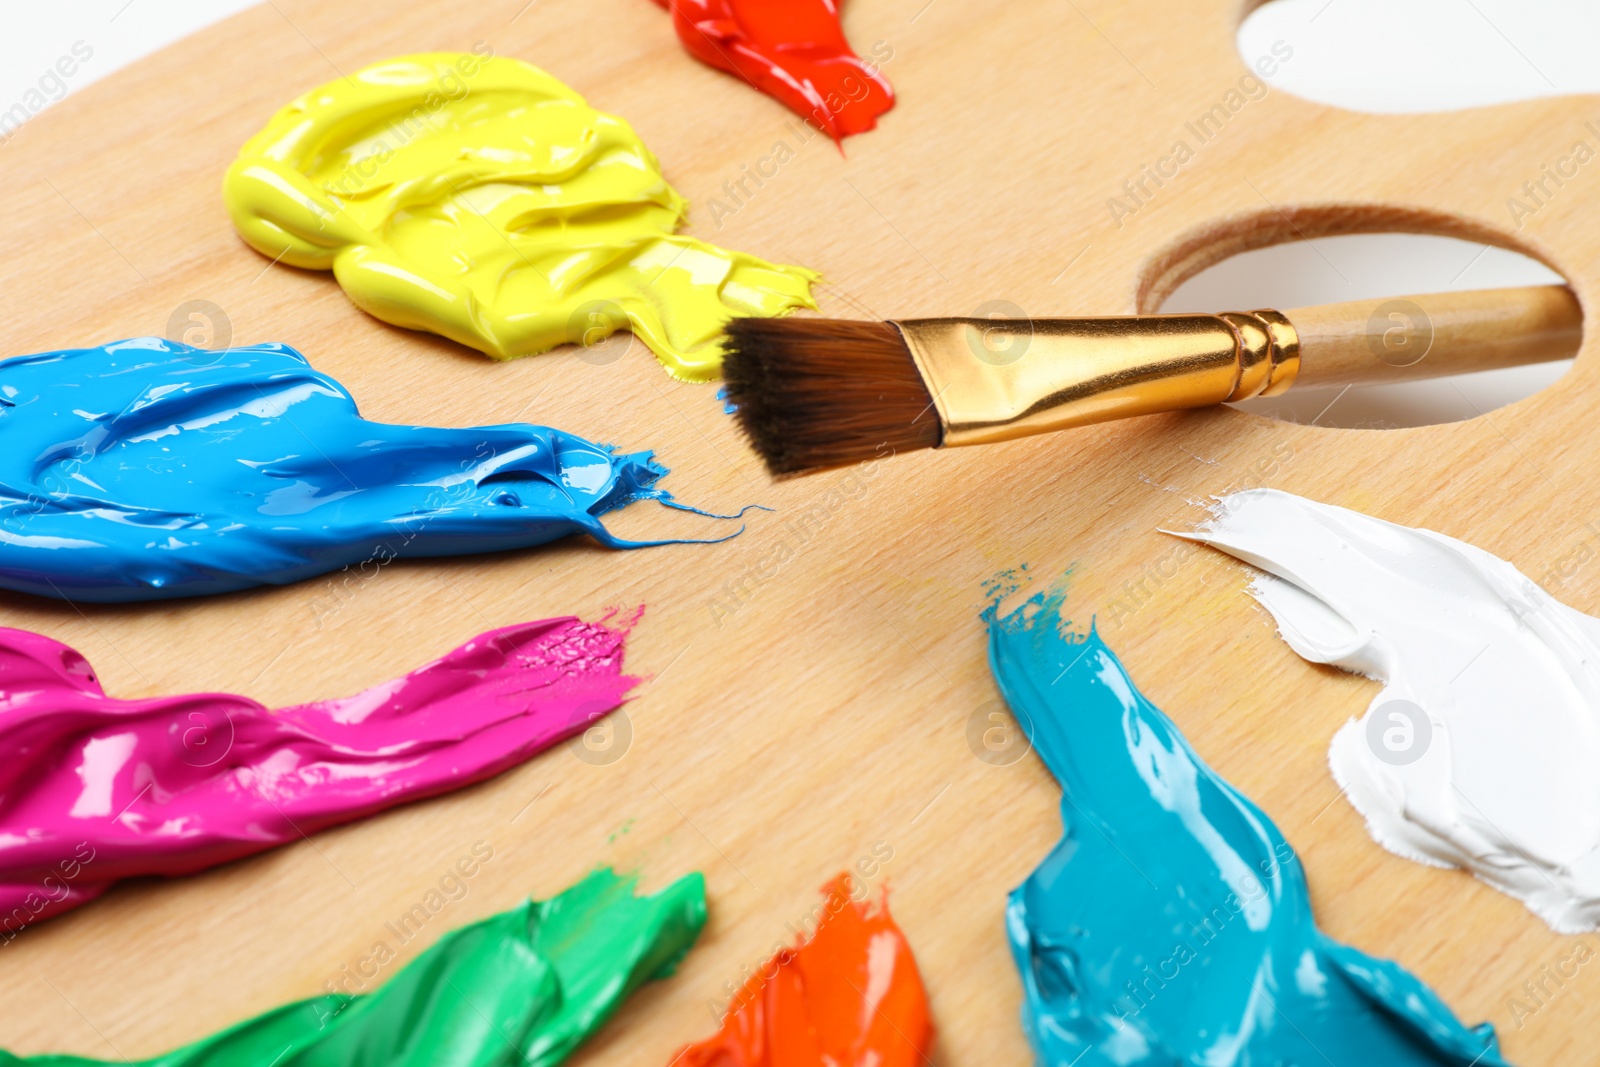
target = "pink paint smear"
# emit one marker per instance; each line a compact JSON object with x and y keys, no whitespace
{"x":95,"y":789}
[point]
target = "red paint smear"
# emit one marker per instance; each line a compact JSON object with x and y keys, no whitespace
{"x":850,"y":997}
{"x":793,"y":50}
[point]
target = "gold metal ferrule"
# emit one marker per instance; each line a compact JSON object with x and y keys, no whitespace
{"x":995,"y":379}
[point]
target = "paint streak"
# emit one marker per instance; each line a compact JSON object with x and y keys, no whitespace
{"x":794,"y":51}
{"x":1479,"y":751}
{"x":1171,"y":925}
{"x":146,"y":469}
{"x":94,"y":789}
{"x":481,"y":199}
{"x":849,"y":997}
{"x":525,"y":988}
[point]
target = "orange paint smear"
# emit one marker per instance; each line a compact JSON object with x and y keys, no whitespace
{"x":792,"y":50}
{"x":849,"y":997}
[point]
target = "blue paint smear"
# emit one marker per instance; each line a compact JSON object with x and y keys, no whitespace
{"x":148,"y":469}
{"x":728,"y":406}
{"x":1171,"y":924}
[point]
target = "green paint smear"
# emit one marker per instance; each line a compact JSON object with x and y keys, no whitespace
{"x":526,"y":986}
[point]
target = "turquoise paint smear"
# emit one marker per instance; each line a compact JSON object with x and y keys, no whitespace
{"x":148,"y":469}
{"x":1171,"y":924}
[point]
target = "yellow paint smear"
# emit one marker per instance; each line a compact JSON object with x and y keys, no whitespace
{"x":479,"y":198}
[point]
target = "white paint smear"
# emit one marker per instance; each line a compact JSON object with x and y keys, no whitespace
{"x":1483,"y":749}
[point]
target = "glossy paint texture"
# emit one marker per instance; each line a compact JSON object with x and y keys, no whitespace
{"x":479,"y":198}
{"x":1171,"y":925}
{"x":1480,"y":750}
{"x":792,"y":50}
{"x":94,"y":789}
{"x":147,"y":469}
{"x":849,"y":997}
{"x":522,"y":988}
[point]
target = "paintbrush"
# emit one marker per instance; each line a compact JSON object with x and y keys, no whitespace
{"x":817,"y":393}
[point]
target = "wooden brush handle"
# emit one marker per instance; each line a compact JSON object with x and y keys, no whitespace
{"x":1404,"y":338}
{"x":998,"y":379}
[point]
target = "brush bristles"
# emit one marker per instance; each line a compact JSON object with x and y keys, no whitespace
{"x":814,"y":393}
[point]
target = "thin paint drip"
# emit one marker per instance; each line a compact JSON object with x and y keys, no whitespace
{"x":520,"y":989}
{"x":849,"y":997}
{"x":1171,"y":925}
{"x":1479,"y":752}
{"x":481,"y":199}
{"x":794,"y":51}
{"x":94,"y":789}
{"x":147,"y":469}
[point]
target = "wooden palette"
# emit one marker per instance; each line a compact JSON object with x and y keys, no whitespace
{"x":827,"y":708}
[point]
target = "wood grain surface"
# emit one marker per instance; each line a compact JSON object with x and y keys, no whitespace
{"x":814,"y":679}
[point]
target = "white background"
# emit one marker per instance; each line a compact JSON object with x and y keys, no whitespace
{"x":1404,"y":56}
{"x":1369,"y":55}
{"x":34,"y":35}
